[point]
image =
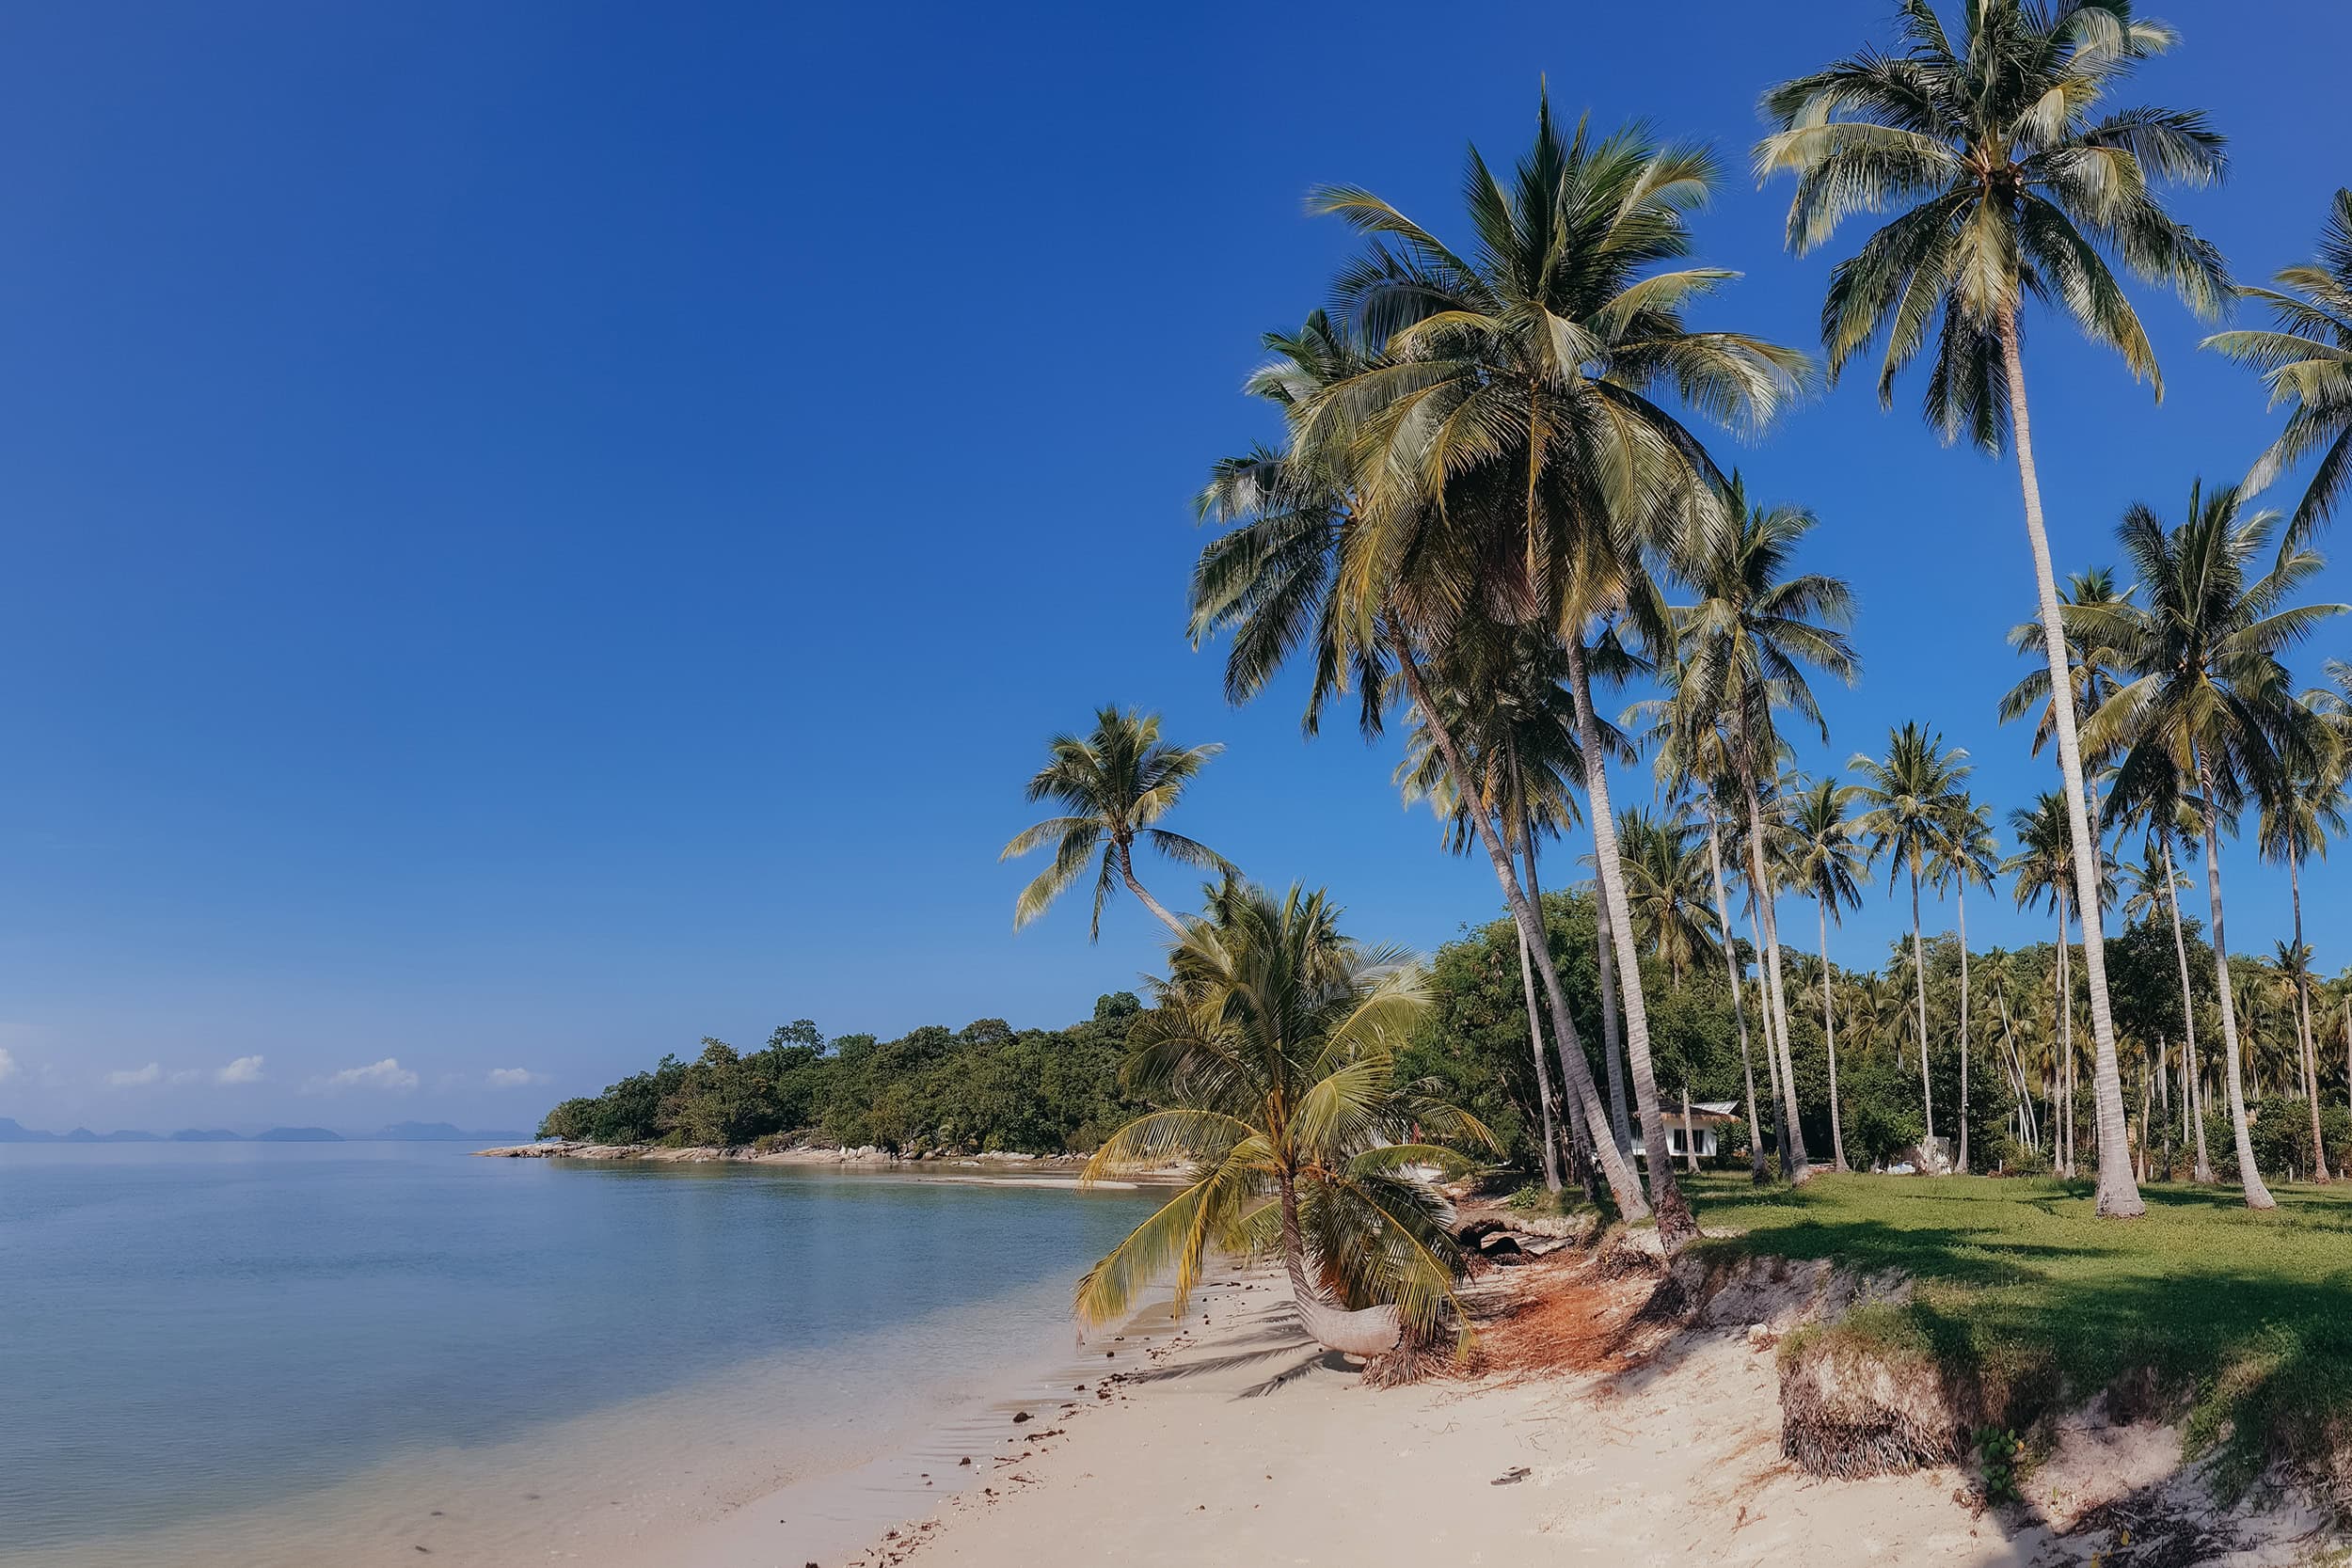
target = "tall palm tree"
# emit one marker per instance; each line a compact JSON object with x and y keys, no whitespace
{"x":1911,"y":794}
{"x":2209,"y":702}
{"x":1667,"y":880}
{"x":1744,"y":645}
{"x":2307,"y":362}
{"x":2157,"y":883}
{"x":2300,"y":809}
{"x":1826,"y":859}
{"x":1273,"y":1051}
{"x":1965,"y":853}
{"x":2043,"y":867}
{"x":1512,"y":448}
{"x":1509,"y":714}
{"x":2013,"y":174}
{"x":1297,"y":570}
{"x":1116,"y":784}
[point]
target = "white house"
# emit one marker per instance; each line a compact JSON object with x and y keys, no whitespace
{"x":1707,"y":1118}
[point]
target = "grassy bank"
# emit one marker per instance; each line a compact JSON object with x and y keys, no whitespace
{"x":2241,"y":1321}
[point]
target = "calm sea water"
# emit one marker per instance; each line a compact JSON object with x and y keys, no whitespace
{"x":251,"y":1352}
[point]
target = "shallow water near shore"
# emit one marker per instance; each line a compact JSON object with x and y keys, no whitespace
{"x":255,"y":1354}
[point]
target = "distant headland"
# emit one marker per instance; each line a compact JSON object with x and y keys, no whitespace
{"x":12,"y":1132}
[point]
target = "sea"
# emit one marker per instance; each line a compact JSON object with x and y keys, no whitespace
{"x":376,"y":1353}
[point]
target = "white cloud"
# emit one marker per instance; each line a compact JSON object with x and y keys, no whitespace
{"x":515,"y":1077}
{"x":386,"y":1074}
{"x":132,"y":1078}
{"x":244,"y":1069}
{"x":8,"y":1064}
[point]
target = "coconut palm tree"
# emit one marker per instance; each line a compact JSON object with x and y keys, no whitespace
{"x":1911,"y":794}
{"x":1964,"y":853}
{"x":2157,"y":884}
{"x":1295,"y":570}
{"x":2043,"y":868}
{"x":2306,"y":360}
{"x":1667,"y":880}
{"x":2208,"y":704}
{"x":1827,"y":861}
{"x":1515,"y":445}
{"x":1510,"y":716}
{"x":2300,"y":810}
{"x":2013,"y":173}
{"x":1116,"y":784}
{"x":1745,"y":645}
{"x":1273,"y":1051}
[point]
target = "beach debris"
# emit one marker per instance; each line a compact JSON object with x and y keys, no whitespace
{"x":1511,"y":1477}
{"x":1020,"y":1417}
{"x":965,"y":1459}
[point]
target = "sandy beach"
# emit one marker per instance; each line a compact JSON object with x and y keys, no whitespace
{"x":1236,"y":1439}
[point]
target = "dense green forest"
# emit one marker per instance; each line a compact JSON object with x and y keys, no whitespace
{"x":989,"y":1087}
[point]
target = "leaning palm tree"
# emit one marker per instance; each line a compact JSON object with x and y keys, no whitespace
{"x":1826,"y":860}
{"x":1116,"y":783}
{"x":1745,"y":645}
{"x":1965,"y":853}
{"x":2306,"y":361}
{"x":1273,"y":1054}
{"x":1298,"y":570}
{"x":1910,"y":795}
{"x":2013,"y":174}
{"x":1516,"y":441}
{"x":2302,"y":807}
{"x":2209,"y":705}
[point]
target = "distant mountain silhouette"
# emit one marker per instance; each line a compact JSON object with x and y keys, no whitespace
{"x":441,"y":1132}
{"x":199,"y":1135}
{"x":13,"y":1133}
{"x":297,"y":1136}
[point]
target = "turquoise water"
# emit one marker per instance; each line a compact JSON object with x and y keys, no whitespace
{"x":198,"y":1335}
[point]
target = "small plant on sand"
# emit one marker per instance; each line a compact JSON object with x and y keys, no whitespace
{"x":1999,"y":1457}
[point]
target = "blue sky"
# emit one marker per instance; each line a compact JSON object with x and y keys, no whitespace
{"x":538,"y":532}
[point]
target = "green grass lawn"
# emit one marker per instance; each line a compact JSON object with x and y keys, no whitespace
{"x":2244,"y":1319}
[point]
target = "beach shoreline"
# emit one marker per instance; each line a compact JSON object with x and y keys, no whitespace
{"x":1024,"y":1170}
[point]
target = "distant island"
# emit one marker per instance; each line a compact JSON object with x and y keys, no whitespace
{"x":12,"y":1132}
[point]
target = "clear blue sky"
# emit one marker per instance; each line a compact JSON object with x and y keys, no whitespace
{"x":537,"y":533}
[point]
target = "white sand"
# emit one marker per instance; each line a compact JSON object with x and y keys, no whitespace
{"x":1199,"y":1461}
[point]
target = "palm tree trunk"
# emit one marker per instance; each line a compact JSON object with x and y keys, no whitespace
{"x":1612,"y":1030}
{"x":1961,"y":890}
{"x":2204,"y":1169}
{"x":1676,"y":1223}
{"x":2119,"y":1195}
{"x":2257,"y":1195}
{"x":1543,"y":1074}
{"x":1127,"y":875}
{"x":1829,"y":1033}
{"x":1920,"y":964}
{"x":2303,"y":1020}
{"x":1565,"y":1042}
{"x":1689,"y":1139}
{"x":1759,"y":1171}
{"x":1794,"y":1163}
{"x":1623,"y":1185}
{"x":1779,"y":1086}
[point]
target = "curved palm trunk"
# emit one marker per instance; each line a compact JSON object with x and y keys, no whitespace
{"x":1623,"y":1185}
{"x":1612,"y":1020}
{"x":1676,"y":1223}
{"x":2204,"y":1169}
{"x":2119,"y":1195}
{"x":1829,"y":1037}
{"x":1581,"y":1128}
{"x":1543,"y":1073}
{"x":1919,"y":967}
{"x":2062,"y":1064}
{"x":1961,"y":887}
{"x":1759,"y":1171}
{"x":2257,"y":1195}
{"x":1127,"y":875}
{"x":2303,"y":1023}
{"x":1797,"y":1167}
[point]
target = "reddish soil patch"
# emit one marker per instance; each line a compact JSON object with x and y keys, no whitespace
{"x":1561,"y":1316}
